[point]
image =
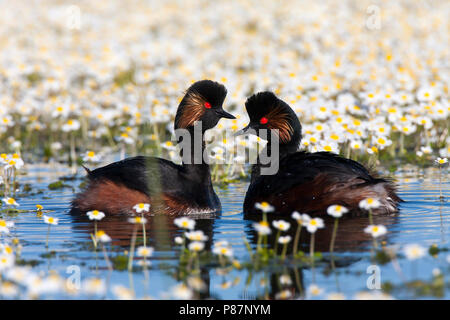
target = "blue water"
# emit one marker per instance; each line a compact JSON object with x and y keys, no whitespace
{"x":423,"y":219}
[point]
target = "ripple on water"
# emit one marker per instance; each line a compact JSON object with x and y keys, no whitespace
{"x":422,"y":219}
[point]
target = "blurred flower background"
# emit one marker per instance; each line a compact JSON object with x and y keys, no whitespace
{"x":102,"y":76}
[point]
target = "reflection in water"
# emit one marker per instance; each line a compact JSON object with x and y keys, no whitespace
{"x":350,"y":235}
{"x":278,"y":282}
{"x":423,"y":219}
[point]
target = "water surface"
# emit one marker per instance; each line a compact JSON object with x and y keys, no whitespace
{"x":423,"y":219}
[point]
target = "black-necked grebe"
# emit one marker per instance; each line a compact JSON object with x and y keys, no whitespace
{"x":168,"y":187}
{"x":307,"y":182}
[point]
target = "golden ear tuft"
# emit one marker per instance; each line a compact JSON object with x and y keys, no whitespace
{"x":279,"y":119}
{"x":192,"y":110}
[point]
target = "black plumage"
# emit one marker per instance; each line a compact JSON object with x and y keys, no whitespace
{"x":168,"y":187}
{"x":308,"y":182}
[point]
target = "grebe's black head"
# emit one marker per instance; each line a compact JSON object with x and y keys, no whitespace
{"x":266,"y":111}
{"x":202,"y":102}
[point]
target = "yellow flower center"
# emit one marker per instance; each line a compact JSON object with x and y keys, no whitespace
{"x":100,"y":233}
{"x":264,"y":224}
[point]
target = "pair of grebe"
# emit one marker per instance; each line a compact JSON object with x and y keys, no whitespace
{"x":305,"y":182}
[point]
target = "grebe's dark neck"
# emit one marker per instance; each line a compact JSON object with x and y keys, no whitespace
{"x":195,"y":166}
{"x":284,"y":149}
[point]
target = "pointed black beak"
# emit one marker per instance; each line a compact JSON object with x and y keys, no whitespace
{"x":223,"y":114}
{"x":242,"y":131}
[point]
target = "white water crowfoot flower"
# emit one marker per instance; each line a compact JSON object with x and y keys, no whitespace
{"x":281,"y":225}
{"x":300,"y":218}
{"x":284,"y":239}
{"x":196,"y":236}
{"x":441,"y":161}
{"x":376,"y":230}
{"x":51,"y":220}
{"x":6,"y":249}
{"x":223,"y":250}
{"x":95,"y":215}
{"x":369,"y":203}
{"x":262,"y":228}
{"x":265,"y":207}
{"x":5,"y":226}
{"x":144,"y":252}
{"x":11,"y":202}
{"x":314,"y":291}
{"x":185,"y":223}
{"x":196,"y":246}
{"x":101,"y":236}
{"x":6,"y":261}
{"x":179,"y":240}
{"x":414,"y":251}
{"x":313,"y":224}
{"x":137,"y":220}
{"x":91,"y":156}
{"x":335,"y":211}
{"x":71,"y":125}
{"x":142,"y":207}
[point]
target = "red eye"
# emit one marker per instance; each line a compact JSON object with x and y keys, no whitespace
{"x":207,"y":105}
{"x":263,"y":120}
